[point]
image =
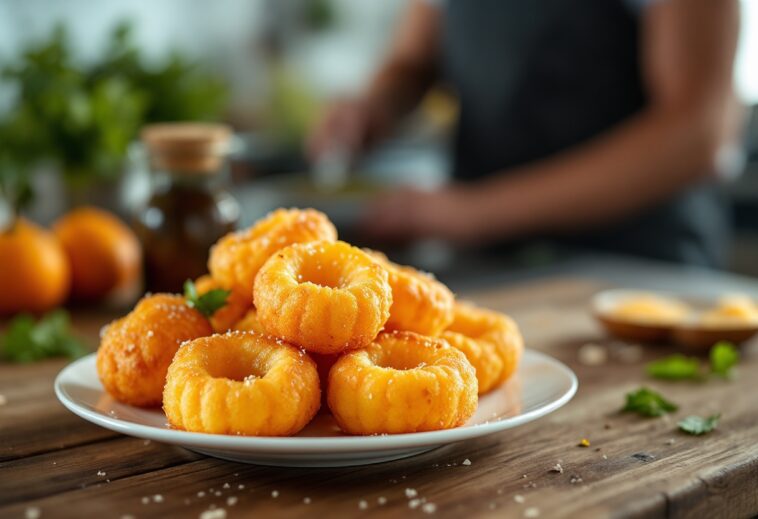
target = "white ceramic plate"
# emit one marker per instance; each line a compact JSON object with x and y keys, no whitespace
{"x":541,"y":386}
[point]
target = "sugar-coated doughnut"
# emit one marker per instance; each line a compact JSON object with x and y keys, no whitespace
{"x":402,"y":383}
{"x":420,"y":303}
{"x":326,"y":297}
{"x":136,"y":350}
{"x":237,"y":257}
{"x":495,"y":344}
{"x":241,"y":383}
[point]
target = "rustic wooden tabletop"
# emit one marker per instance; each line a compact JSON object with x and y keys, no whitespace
{"x":54,"y":464}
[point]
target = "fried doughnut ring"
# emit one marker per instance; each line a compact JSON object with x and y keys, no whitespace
{"x":236,"y":258}
{"x":491,"y":342}
{"x":250,"y":323}
{"x":420,"y":303}
{"x":401,"y":383}
{"x":241,"y":383}
{"x":326,"y":297}
{"x":136,"y":350}
{"x":237,"y":304}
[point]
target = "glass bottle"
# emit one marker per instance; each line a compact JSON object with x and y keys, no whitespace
{"x":190,"y":207}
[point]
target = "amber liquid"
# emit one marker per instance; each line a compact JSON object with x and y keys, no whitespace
{"x":178,"y":226}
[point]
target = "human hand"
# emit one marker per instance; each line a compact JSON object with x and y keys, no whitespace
{"x":448,"y":213}
{"x":349,"y":126}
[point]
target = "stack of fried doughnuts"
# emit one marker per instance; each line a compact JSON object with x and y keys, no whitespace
{"x":388,"y":347}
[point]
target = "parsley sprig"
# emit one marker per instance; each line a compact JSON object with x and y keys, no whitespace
{"x":207,"y":303}
{"x":27,"y":340}
{"x":697,"y":425}
{"x":647,"y":402}
{"x":723,"y":357}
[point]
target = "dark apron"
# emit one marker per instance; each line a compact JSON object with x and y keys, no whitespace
{"x":535,"y":77}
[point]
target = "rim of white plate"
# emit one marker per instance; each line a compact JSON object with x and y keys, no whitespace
{"x":312,"y":444}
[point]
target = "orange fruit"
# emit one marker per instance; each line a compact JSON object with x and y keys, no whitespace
{"x":104,"y":253}
{"x":34,"y":271}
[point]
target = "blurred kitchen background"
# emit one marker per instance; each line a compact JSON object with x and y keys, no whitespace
{"x":266,"y":67}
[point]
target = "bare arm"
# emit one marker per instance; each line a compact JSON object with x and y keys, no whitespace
{"x":687,"y":53}
{"x":407,"y":72}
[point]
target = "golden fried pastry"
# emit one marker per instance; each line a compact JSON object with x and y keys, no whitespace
{"x":734,"y":310}
{"x":241,"y":383}
{"x":402,"y":383}
{"x":136,"y":350}
{"x":326,"y":297}
{"x":237,"y":257}
{"x":651,"y":309}
{"x":420,"y":303}
{"x":495,"y":344}
{"x":237,"y":304}
{"x":250,"y":323}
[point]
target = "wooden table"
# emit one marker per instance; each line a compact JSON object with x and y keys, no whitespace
{"x":56,"y":464}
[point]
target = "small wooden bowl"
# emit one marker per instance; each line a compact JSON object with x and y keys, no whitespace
{"x":688,"y":333}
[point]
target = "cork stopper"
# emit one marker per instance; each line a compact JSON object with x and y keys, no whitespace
{"x":187,"y":147}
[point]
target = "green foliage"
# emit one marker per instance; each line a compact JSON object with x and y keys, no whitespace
{"x":675,"y":367}
{"x":28,"y":341}
{"x":83,"y":117}
{"x":697,"y":425}
{"x":723,"y":356}
{"x":647,"y":402}
{"x":208,"y":303}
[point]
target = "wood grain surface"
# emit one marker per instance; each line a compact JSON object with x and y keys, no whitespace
{"x":57,"y":465}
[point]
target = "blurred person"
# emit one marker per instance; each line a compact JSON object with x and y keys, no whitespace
{"x":604,"y":123}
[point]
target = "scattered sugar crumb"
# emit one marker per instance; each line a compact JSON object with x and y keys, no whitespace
{"x":32,"y":513}
{"x":157,"y":498}
{"x":381,"y":500}
{"x":592,"y":354}
{"x":556,"y":468}
{"x":414,"y":503}
{"x":306,"y":500}
{"x":231,"y":501}
{"x":575,"y":479}
{"x":3,"y":400}
{"x":410,"y":492}
{"x":363,"y":504}
{"x":274,"y":494}
{"x":219,"y":513}
{"x":201,"y":494}
{"x":429,"y":508}
{"x":519,"y":498}
{"x":466,"y":462}
{"x":532,"y":511}
{"x":217,"y":493}
{"x":240,"y":486}
{"x":145,"y":500}
{"x":226,"y":485}
{"x":101,"y":473}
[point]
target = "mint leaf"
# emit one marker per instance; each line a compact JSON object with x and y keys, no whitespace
{"x":675,"y":367}
{"x":208,"y":303}
{"x":28,"y":341}
{"x":697,"y":425}
{"x":724,"y":356}
{"x":647,"y":402}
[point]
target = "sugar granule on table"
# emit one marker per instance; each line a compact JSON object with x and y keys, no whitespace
{"x":211,"y":513}
{"x":306,"y":500}
{"x":519,"y":499}
{"x":410,"y":492}
{"x":101,"y":473}
{"x":532,"y":511}
{"x":32,"y":513}
{"x":3,"y":400}
{"x":363,"y":504}
{"x":556,"y":468}
{"x":466,"y":462}
{"x":429,"y":508}
{"x":274,"y":493}
{"x":231,"y":501}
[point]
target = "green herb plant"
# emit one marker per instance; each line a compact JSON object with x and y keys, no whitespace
{"x":27,"y":340}
{"x":697,"y":425}
{"x":647,"y":402}
{"x":208,"y":303}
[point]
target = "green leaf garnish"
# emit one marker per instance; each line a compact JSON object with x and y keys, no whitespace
{"x":724,"y":356}
{"x":698,"y":425}
{"x":647,"y":402}
{"x":208,"y":303}
{"x":28,"y":341}
{"x":675,"y":367}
